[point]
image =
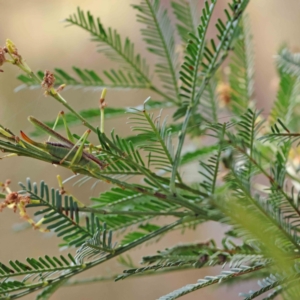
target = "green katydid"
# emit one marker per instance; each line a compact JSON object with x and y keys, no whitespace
{"x":79,"y":159}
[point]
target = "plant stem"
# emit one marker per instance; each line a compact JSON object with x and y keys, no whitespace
{"x":159,"y":92}
{"x":61,"y":100}
{"x":165,"y":47}
{"x":161,"y":140}
{"x":134,"y":213}
{"x":90,"y":265}
{"x":128,"y":61}
{"x":178,"y":152}
{"x":112,"y":277}
{"x":53,"y":93}
{"x":180,"y":185}
{"x":164,"y":197}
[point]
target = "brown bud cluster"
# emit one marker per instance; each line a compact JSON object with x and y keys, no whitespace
{"x":48,"y":80}
{"x":224,"y":92}
{"x":14,"y":199}
{"x":5,"y":185}
{"x":102,"y":103}
{"x":2,"y":57}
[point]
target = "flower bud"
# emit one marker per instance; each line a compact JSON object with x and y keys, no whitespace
{"x":2,"y":57}
{"x":11,"y":47}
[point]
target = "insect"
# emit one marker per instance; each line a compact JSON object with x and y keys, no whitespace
{"x":67,"y":152}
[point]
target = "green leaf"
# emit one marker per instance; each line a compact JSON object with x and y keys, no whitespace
{"x":186,"y":13}
{"x":133,"y":236}
{"x":89,"y":79}
{"x":259,"y":222}
{"x":50,"y":290}
{"x":209,"y":171}
{"x":60,"y":214}
{"x":96,"y":247}
{"x":196,"y":50}
{"x":202,"y":59}
{"x":111,"y":45}
{"x":195,"y":155}
{"x":241,"y":77}
{"x":287,"y":99}
{"x":94,"y":114}
{"x":125,"y":200}
{"x":209,"y":106}
{"x":159,"y":144}
{"x":34,"y":273}
{"x":266,"y":284}
{"x":289,"y":62}
{"x":209,"y":280}
{"x":159,"y":37}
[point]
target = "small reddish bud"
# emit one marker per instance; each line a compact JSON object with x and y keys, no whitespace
{"x":48,"y":80}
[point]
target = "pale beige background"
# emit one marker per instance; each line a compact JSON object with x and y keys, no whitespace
{"x":42,"y":39}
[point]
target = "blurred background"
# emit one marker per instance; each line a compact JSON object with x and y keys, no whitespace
{"x":45,"y":43}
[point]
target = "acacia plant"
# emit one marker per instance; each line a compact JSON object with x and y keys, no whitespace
{"x":247,"y":178}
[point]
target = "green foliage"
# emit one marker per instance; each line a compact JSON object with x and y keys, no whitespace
{"x":60,"y":214}
{"x":287,"y":99}
{"x":89,"y":79}
{"x":110,"y":44}
{"x":35,"y":273}
{"x":159,"y":38}
{"x":159,"y":145}
{"x":289,"y":62}
{"x":247,"y":167}
{"x":187,"y":18}
{"x":93,"y":114}
{"x":209,"y":280}
{"x":241,"y":70}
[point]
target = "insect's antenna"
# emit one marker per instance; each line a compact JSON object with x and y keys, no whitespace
{"x":69,"y":134}
{"x":54,"y":126}
{"x":61,"y":115}
{"x":49,"y":131}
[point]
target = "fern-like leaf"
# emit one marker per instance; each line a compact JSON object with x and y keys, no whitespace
{"x":289,"y":62}
{"x":34,"y":273}
{"x":195,"y":51}
{"x":60,"y":214}
{"x":88,"y":79}
{"x":204,"y":58}
{"x":123,"y":200}
{"x":280,"y":134}
{"x":210,"y":169}
{"x":93,"y":114}
{"x":266,"y":284}
{"x":98,"y":246}
{"x":248,"y":213}
{"x":209,"y":106}
{"x":141,"y":271}
{"x":241,"y":78}
{"x":186,"y":13}
{"x":191,"y":156}
{"x":50,"y":290}
{"x":287,"y":99}
{"x":279,"y":283}
{"x":110,"y":44}
{"x":159,"y":145}
{"x":159,"y":37}
{"x":209,"y":280}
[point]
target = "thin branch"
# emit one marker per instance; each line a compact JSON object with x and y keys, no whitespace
{"x":176,"y":161}
{"x":90,"y":265}
{"x":112,"y":277}
{"x":135,"y":213}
